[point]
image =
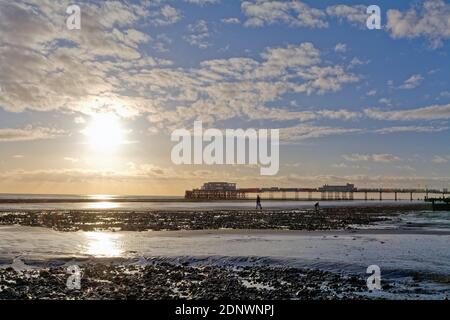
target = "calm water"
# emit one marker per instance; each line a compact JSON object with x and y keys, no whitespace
{"x":107,"y":202}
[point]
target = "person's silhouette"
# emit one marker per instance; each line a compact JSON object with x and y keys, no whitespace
{"x":258,"y":203}
{"x":316,"y":206}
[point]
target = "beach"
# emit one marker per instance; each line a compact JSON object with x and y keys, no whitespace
{"x":226,"y":253}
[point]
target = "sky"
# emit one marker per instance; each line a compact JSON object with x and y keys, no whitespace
{"x":91,"y":110}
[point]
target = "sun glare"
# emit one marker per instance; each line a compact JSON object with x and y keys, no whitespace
{"x":105,"y":132}
{"x":103,"y":244}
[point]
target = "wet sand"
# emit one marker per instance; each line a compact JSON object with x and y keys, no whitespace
{"x":170,"y":281}
{"x":292,"y":219}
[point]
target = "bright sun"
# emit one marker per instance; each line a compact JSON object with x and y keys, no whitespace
{"x":105,"y":132}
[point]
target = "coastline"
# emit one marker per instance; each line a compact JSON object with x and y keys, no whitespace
{"x":224,"y":264}
{"x":281,"y":254}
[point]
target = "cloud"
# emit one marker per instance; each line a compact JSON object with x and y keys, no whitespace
{"x":431,"y":20}
{"x":340,"y":48}
{"x":198,"y":35}
{"x":383,"y":157}
{"x":50,"y":67}
{"x":231,"y":21}
{"x":414,"y":129}
{"x":102,"y":68}
{"x":441,"y":159}
{"x":434,"y":112}
{"x":202,"y":2}
{"x":385,"y":101}
{"x":412,"y":82}
{"x":356,"y":157}
{"x":164,"y":16}
{"x":28,"y":133}
{"x":134,"y":172}
{"x":79,"y":120}
{"x":294,"y":13}
{"x":224,"y":89}
{"x":307,"y":131}
{"x":355,"y":15}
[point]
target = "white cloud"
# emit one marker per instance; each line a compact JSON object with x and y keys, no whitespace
{"x":356,"y":157}
{"x":28,"y":133}
{"x":79,"y":120}
{"x":412,"y":82}
{"x":164,"y":16}
{"x":55,"y":75}
{"x":202,"y":2}
{"x":441,"y":159}
{"x":385,"y":158}
{"x":231,"y":21}
{"x":238,"y":87}
{"x":198,"y":34}
{"x":307,"y":131}
{"x":103,"y":61}
{"x":434,"y":112}
{"x":294,"y":13}
{"x":414,"y":129}
{"x":385,"y":101}
{"x":340,"y":48}
{"x":431,"y":21}
{"x":355,"y":15}
{"x":381,"y":157}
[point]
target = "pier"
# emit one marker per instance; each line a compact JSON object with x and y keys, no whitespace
{"x":229,"y":191}
{"x":439,"y":204}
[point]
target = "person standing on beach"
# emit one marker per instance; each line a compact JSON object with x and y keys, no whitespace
{"x":258,"y":202}
{"x":317,"y":206}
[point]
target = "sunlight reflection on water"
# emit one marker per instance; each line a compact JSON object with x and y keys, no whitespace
{"x":103,"y":205}
{"x":103,"y":244}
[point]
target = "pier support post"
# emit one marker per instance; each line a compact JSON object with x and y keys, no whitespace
{"x":381,"y":196}
{"x":323,"y":196}
{"x":411,"y":196}
{"x":365,"y":195}
{"x":396,"y":196}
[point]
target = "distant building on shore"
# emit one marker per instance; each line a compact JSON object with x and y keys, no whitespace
{"x":223,"y":186}
{"x":216,"y":191}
